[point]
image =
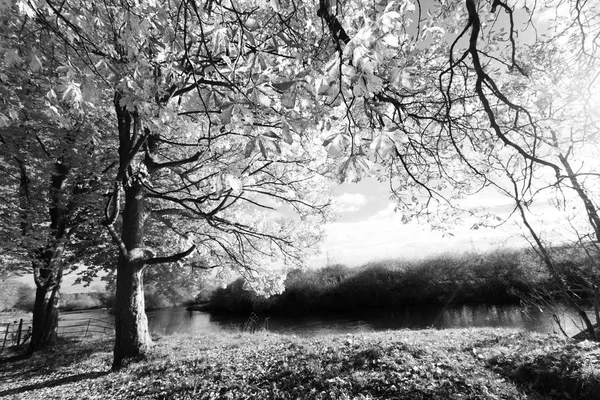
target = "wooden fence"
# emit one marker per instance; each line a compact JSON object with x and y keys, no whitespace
{"x":82,"y":327}
{"x":15,"y":333}
{"x":18,"y":333}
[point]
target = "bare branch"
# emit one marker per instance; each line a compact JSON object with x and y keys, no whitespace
{"x":172,"y":258}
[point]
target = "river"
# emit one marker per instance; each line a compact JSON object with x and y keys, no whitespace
{"x":179,"y":320}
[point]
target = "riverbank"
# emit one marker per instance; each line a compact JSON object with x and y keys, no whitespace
{"x":444,"y":364}
{"x":499,"y":277}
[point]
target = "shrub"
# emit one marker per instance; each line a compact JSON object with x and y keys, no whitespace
{"x":8,"y":294}
{"x":80,"y":301}
{"x":449,"y":278}
{"x":233,"y":298}
{"x":25,"y":297}
{"x":155,"y":300}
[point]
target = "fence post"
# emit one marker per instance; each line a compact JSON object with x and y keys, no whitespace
{"x":19,"y":331}
{"x":87,"y":328}
{"x":5,"y":336}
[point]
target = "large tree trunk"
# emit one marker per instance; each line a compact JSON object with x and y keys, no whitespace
{"x":48,"y":275}
{"x":45,"y":314}
{"x":132,"y":338}
{"x":48,"y":264}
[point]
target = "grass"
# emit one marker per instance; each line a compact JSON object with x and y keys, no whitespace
{"x":429,"y":364}
{"x":12,"y":316}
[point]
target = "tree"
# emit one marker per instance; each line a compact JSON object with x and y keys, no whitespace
{"x":221,"y":109}
{"x":419,"y":104}
{"x":536,"y":96}
{"x":47,"y":202}
{"x":209,"y":137}
{"x":49,"y":162}
{"x":561,"y":94}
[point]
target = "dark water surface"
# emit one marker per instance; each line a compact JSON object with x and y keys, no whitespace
{"x":174,"y":320}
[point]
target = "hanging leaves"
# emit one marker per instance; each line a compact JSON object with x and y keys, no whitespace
{"x":250,"y":146}
{"x":285,"y":132}
{"x":225,"y":115}
{"x":355,"y":168}
{"x":235,"y":184}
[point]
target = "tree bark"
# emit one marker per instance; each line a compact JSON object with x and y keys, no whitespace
{"x":47,"y":299}
{"x":48,"y":259}
{"x":132,"y":337}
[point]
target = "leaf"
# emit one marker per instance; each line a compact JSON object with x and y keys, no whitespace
{"x":285,"y":132}
{"x":261,"y":145}
{"x":235,"y":184}
{"x":277,"y":148}
{"x":408,"y":6}
{"x":219,"y":186}
{"x":11,"y":58}
{"x":35,"y":64}
{"x":260,"y":98}
{"x":51,"y":95}
{"x":288,"y":100}
{"x":225,"y":116}
{"x":251,"y":24}
{"x":271,"y":135}
{"x":72,"y":93}
{"x":4,"y":122}
{"x":283,"y":86}
{"x":275,"y":5}
{"x":249,"y":148}
{"x":353,"y":169}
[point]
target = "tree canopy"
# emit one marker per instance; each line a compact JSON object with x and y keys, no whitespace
{"x":215,"y":124}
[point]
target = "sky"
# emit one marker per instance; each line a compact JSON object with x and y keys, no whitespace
{"x":368,"y":228}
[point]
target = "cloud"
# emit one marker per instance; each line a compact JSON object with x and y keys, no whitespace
{"x":385,"y":236}
{"x":386,"y":213}
{"x":349,"y":202}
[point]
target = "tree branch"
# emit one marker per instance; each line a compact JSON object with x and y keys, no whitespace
{"x":171,"y":258}
{"x":154,"y":166}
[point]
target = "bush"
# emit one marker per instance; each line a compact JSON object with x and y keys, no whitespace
{"x":25,"y":298}
{"x":233,"y":298}
{"x":80,"y":301}
{"x":8,"y":294}
{"x":466,"y":278}
{"x":155,"y":300}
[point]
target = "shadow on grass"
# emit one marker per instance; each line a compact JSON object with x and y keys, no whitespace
{"x":13,"y":356}
{"x":23,"y":365}
{"x":53,"y":383}
{"x":555,"y":373}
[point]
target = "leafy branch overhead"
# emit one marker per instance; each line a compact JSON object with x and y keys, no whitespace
{"x":211,"y":129}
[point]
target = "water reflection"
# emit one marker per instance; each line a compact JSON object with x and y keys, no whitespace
{"x":411,"y":317}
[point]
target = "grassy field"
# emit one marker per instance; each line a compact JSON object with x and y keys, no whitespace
{"x":12,"y":316}
{"x":430,"y":364}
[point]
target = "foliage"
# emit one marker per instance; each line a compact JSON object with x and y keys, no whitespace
{"x":167,"y":286}
{"x":8,"y":289}
{"x":499,"y":276}
{"x":207,"y":150}
{"x":25,"y":298}
{"x":450,"y":364}
{"x":17,"y":296}
{"x":81,"y":301}
{"x":230,"y":111}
